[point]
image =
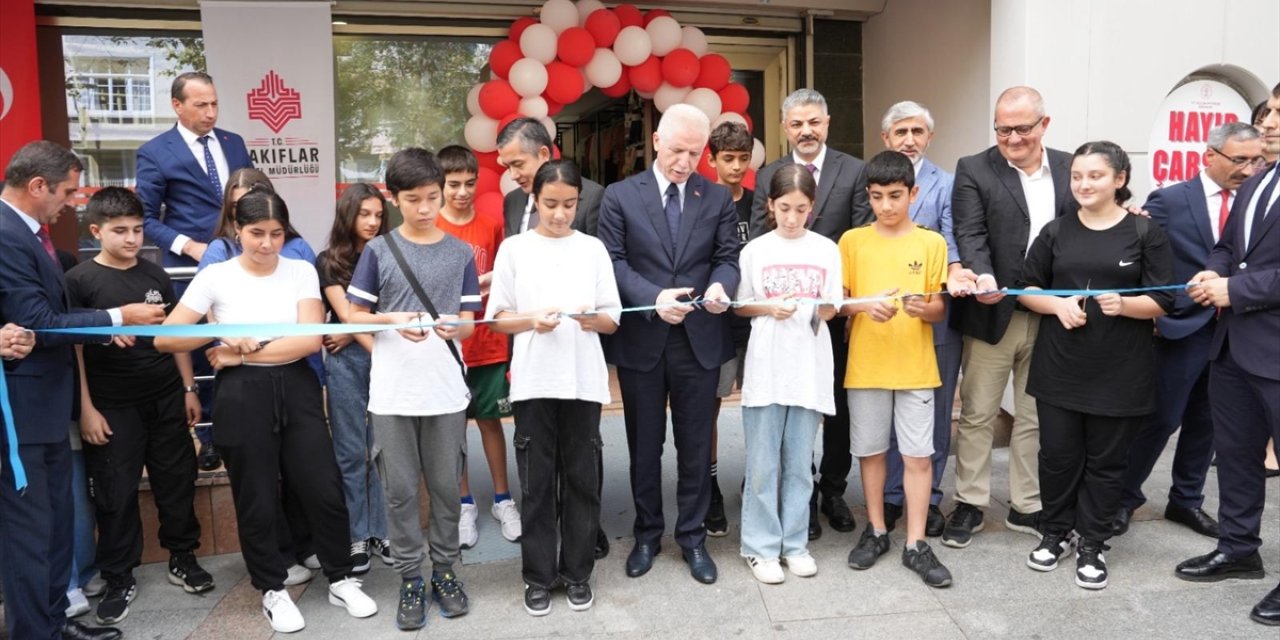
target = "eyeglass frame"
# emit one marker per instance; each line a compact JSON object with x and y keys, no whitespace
{"x":1241,"y":162}
{"x":1019,"y":129}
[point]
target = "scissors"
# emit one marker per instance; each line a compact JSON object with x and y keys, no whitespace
{"x":1088,"y":286}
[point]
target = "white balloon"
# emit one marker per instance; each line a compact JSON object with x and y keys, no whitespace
{"x":632,"y":46}
{"x":528,"y":77}
{"x":706,"y":100}
{"x":693,"y":39}
{"x":664,"y":33}
{"x":481,"y":134}
{"x":535,"y":107}
{"x":604,"y":70}
{"x":667,"y":95}
{"x":757,"y":154}
{"x":473,"y":100}
{"x":549,"y":125}
{"x":559,"y":15}
{"x":647,"y":95}
{"x":507,"y":184}
{"x":587,"y":84}
{"x":728,"y":116}
{"x":586,"y":8}
{"x":539,"y":42}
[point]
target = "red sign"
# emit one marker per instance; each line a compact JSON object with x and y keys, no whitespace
{"x":19,"y":79}
{"x":273,"y":103}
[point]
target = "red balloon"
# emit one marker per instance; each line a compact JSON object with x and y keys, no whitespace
{"x":489,"y":204}
{"x":622,"y":88}
{"x":704,"y":166}
{"x":734,"y":97}
{"x":575,"y":46}
{"x":519,"y":26}
{"x":654,"y":13}
{"x":603,"y":26}
{"x":564,"y":83}
{"x":646,"y":76}
{"x":487,"y":181}
{"x":629,"y":15}
{"x":713,"y":72}
{"x":555,"y":151}
{"x":749,"y":180}
{"x":502,"y":56}
{"x":553,"y":107}
{"x":498,"y":99}
{"x":502,"y":123}
{"x":680,"y":67}
{"x":488,"y":160}
{"x":751,"y":126}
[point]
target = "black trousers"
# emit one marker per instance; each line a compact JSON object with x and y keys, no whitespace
{"x":36,"y":529}
{"x":692,"y":392}
{"x":837,"y":461}
{"x":557,"y":445}
{"x":1082,"y":462}
{"x":271,"y":427}
{"x":154,"y":434}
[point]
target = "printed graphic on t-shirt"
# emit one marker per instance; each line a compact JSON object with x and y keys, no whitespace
{"x":483,"y":264}
{"x":802,"y":280}
{"x":743,"y":227}
{"x":153,"y":297}
{"x":914,"y":267}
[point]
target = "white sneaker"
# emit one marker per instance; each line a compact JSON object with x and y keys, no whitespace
{"x":279,"y":609}
{"x":507,"y":513}
{"x":802,"y":565}
{"x":77,"y":604}
{"x":347,"y":593}
{"x":95,"y":587}
{"x":298,"y":574}
{"x":766,"y":571}
{"x":311,"y":562}
{"x":468,"y":535}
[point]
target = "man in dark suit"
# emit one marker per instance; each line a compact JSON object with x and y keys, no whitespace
{"x":1193,"y":214}
{"x":182,"y":172}
{"x":36,"y":524}
{"x":672,"y":235}
{"x":1002,"y":198}
{"x":841,"y":205}
{"x":1242,"y":280}
{"x":523,"y":147}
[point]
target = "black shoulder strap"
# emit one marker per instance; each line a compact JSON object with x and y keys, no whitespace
{"x":422,"y":295}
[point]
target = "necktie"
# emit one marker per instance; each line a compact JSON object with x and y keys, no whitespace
{"x":1224,"y":211}
{"x":813,"y":171}
{"x":43,"y":234}
{"x":211,"y":167}
{"x":533,"y":217}
{"x":1260,"y":209}
{"x":672,"y":210}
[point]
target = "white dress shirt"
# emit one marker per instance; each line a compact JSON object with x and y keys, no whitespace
{"x":1037,"y":187}
{"x":663,"y":183}
{"x":219,"y":160}
{"x":528,"y":211}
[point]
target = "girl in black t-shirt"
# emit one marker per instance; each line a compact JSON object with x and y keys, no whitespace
{"x":1092,"y":371}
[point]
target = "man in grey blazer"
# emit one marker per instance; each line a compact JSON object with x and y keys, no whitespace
{"x":523,"y":147}
{"x":841,"y":205}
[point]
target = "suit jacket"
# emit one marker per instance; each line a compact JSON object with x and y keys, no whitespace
{"x":842,"y":202}
{"x":169,"y":175}
{"x":586,"y":221}
{"x":1182,"y":211}
{"x":33,"y":294}
{"x":993,"y":229}
{"x":646,"y":260}
{"x":1252,"y":322}
{"x":932,"y":209}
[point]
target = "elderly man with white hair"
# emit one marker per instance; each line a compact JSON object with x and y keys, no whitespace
{"x":673,"y":239}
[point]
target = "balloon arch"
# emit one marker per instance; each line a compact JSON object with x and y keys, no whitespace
{"x":550,"y":62}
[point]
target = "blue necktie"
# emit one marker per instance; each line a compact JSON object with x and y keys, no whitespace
{"x":211,"y":167}
{"x":672,"y":210}
{"x":1260,"y":209}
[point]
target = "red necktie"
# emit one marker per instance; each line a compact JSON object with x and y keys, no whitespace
{"x":1224,"y":212}
{"x":43,"y":234}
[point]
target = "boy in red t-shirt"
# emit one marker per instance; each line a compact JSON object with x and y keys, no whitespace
{"x":485,"y":352}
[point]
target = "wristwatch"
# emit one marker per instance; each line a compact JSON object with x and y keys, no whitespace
{"x":194,"y":388}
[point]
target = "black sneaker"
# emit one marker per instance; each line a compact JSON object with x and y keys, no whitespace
{"x":360,"y":557}
{"x":411,"y":613}
{"x":579,"y":597}
{"x":185,"y":572}
{"x":447,"y":590}
{"x":537,"y":600}
{"x":1028,"y":523}
{"x":926,"y":565}
{"x":869,"y":548}
{"x":602,"y":544}
{"x":381,"y":549}
{"x":1091,"y":566}
{"x":935,"y":522}
{"x":208,"y":458}
{"x":891,"y":514}
{"x":965,"y":521}
{"x":717,"y":525}
{"x":114,"y":606}
{"x":1045,"y":556}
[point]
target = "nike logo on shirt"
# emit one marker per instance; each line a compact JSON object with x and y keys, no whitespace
{"x":1125,"y":264}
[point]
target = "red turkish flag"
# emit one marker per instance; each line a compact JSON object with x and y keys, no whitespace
{"x":19,"y":79}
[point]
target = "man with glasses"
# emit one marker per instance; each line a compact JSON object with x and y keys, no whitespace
{"x":1193,"y":214}
{"x":1002,"y":197}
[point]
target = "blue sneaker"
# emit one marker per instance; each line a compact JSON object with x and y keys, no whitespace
{"x":412,"y":611}
{"x":447,"y":590}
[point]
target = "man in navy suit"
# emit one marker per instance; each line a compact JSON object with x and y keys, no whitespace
{"x":36,"y":524}
{"x":1193,"y":214}
{"x":183,"y":171}
{"x":1242,"y":280}
{"x":672,"y":235}
{"x":907,"y":128}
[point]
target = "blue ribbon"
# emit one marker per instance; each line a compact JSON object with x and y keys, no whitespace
{"x":11,"y":432}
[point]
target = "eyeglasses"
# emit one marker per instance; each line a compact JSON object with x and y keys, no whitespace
{"x":1240,"y":162}
{"x":1022,"y":130}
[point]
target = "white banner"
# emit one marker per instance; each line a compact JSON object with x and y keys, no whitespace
{"x":1181,"y":129}
{"x":272,"y":63}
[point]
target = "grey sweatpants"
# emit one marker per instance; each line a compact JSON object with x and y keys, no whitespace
{"x":433,"y":448}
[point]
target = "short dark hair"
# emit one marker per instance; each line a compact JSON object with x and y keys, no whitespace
{"x":533,"y":136}
{"x":1260,"y":110}
{"x":562,"y":171}
{"x":1116,"y":158}
{"x":730,"y":136}
{"x":458,"y":159}
{"x":40,"y":159}
{"x":411,"y":168}
{"x":178,"y":90}
{"x":113,"y":202}
{"x":891,"y":167}
{"x":1275,"y":91}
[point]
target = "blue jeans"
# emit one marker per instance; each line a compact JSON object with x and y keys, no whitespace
{"x":82,"y":567}
{"x":348,"y":383}
{"x":944,"y":399}
{"x":775,"y":500}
